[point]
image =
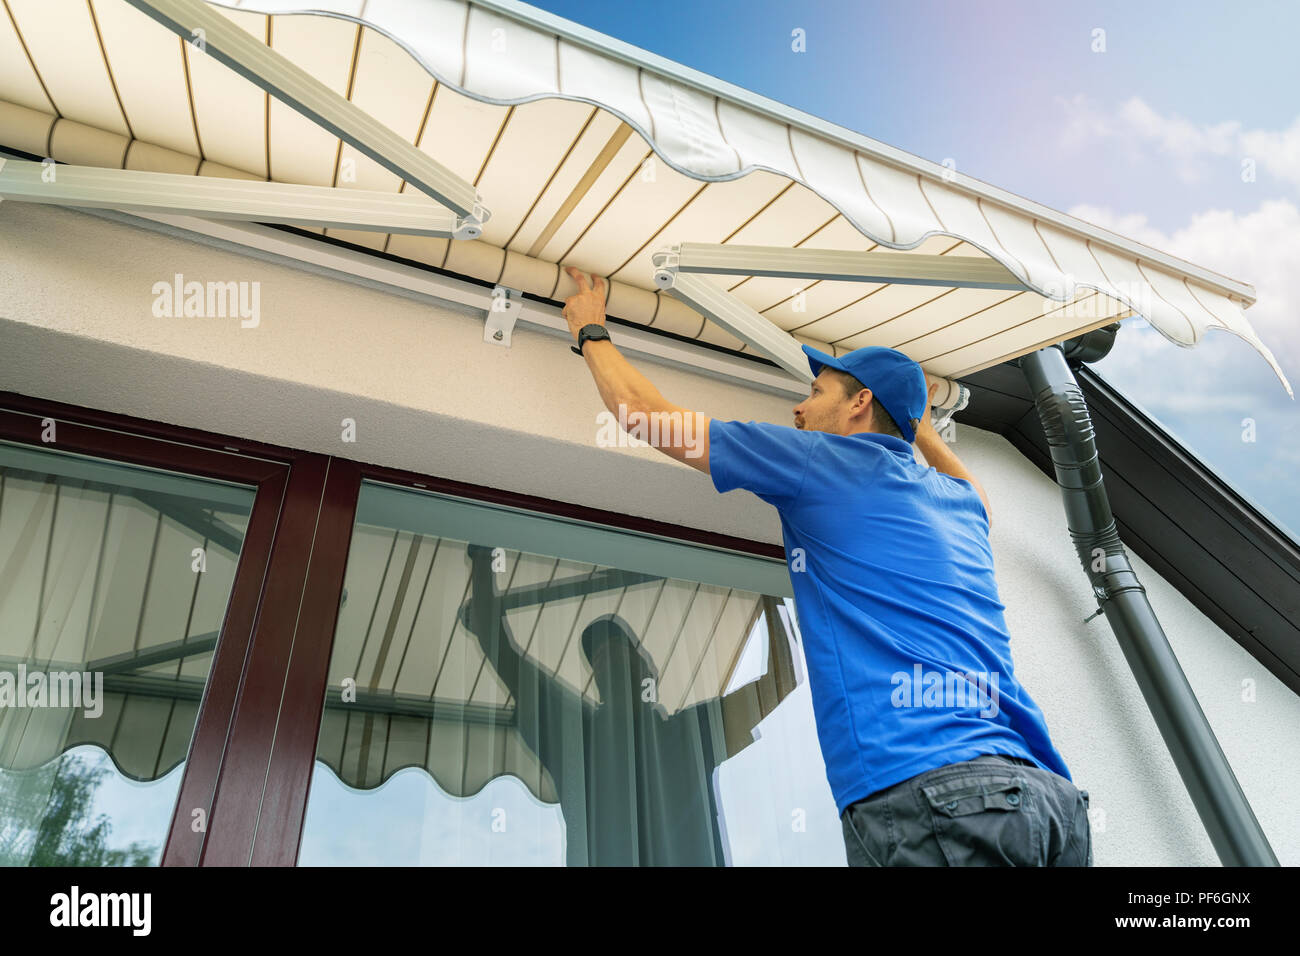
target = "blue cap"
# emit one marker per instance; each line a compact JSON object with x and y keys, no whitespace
{"x":896,"y":382}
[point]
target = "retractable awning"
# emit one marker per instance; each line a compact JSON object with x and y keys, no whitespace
{"x":589,"y":152}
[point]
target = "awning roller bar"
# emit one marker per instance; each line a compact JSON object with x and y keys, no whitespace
{"x":209,"y":31}
{"x":239,"y":199}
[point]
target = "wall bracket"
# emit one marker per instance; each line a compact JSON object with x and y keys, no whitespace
{"x":502,"y":314}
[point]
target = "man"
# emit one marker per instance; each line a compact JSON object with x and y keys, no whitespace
{"x":934,"y":753}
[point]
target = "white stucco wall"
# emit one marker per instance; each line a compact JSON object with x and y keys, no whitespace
{"x":429,"y":396}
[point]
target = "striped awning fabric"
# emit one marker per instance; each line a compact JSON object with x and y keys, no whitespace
{"x":588,"y":152}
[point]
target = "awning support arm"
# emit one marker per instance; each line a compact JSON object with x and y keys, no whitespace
{"x":675,"y":268}
{"x":136,"y":191}
{"x":969,"y":272}
{"x":737,"y":318}
{"x":209,"y":31}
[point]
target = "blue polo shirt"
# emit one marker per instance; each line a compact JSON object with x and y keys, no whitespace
{"x":909,"y":658}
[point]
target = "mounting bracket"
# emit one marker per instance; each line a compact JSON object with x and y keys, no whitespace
{"x":502,"y":314}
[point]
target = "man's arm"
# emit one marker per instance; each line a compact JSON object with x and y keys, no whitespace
{"x":484,"y":617}
{"x":678,"y":432}
{"x":541,"y":701}
{"x":942,"y":458}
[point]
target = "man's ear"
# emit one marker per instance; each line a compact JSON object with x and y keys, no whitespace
{"x":862,"y":403}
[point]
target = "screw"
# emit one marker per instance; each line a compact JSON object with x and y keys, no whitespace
{"x":498,"y":335}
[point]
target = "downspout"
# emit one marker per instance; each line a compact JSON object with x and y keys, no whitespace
{"x":1224,"y":811}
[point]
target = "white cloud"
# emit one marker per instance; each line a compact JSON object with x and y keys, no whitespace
{"x":1261,"y":247}
{"x":1202,"y":395}
{"x":1189,"y":145}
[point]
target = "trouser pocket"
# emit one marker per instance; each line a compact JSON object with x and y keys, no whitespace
{"x":868,"y":833}
{"x":1084,"y":829}
{"x":986,"y":817}
{"x":1065,"y":820}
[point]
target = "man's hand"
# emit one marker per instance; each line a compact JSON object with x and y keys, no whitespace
{"x":925,"y":417}
{"x":587,"y":306}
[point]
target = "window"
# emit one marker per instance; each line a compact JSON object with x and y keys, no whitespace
{"x":114,"y":582}
{"x":506,"y":687}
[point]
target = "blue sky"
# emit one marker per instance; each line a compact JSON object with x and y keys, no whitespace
{"x":1146,"y":138}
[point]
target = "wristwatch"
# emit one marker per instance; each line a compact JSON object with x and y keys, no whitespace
{"x":588,"y":333}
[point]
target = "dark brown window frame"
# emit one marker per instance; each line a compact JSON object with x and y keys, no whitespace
{"x":251,"y":757}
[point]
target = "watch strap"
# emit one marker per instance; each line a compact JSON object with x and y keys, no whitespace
{"x":584,"y":336}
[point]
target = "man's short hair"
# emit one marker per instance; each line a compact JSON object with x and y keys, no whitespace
{"x":881,"y":420}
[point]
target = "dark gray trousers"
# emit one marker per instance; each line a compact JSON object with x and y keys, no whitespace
{"x":991,"y":811}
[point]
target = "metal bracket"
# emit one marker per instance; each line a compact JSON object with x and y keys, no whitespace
{"x":502,"y":314}
{"x":949,"y":410}
{"x":471,"y":226}
{"x":1102,"y":597}
{"x":666,"y":263}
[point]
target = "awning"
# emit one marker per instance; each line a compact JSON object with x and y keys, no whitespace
{"x":591,"y":153}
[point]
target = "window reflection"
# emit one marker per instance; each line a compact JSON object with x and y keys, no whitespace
{"x":114,"y":581}
{"x":468,"y":674}
{"x":80,"y":810}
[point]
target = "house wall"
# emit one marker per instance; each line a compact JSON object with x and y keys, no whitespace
{"x":428,"y":395}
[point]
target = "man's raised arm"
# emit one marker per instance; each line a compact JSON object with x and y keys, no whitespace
{"x":942,"y":458}
{"x":541,"y":701}
{"x":638,"y":406}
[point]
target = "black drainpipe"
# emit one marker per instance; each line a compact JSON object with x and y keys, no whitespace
{"x":1233,"y":829}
